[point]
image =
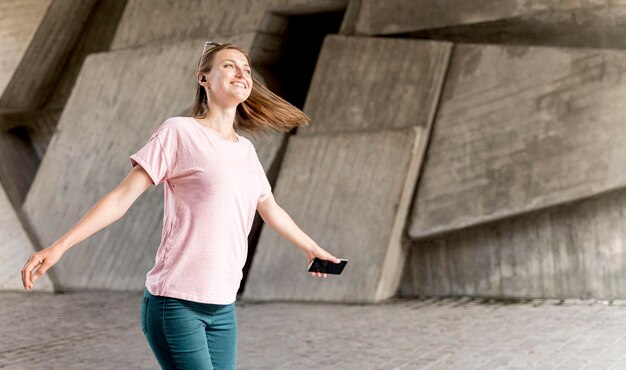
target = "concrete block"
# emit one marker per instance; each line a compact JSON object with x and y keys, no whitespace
{"x":518,"y":130}
{"x":118,"y":100}
{"x":148,"y":22}
{"x":374,"y":83}
{"x":598,"y":23}
{"x":399,"y":16}
{"x":15,"y":248}
{"x":574,"y":250}
{"x":38,"y":37}
{"x":350,"y":192}
{"x":15,"y":40}
{"x":96,"y":36}
{"x":350,"y":18}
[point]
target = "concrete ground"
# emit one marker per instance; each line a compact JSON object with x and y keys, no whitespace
{"x":100,"y":330}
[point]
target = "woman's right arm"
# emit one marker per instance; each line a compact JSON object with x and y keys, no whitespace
{"x":108,"y":210}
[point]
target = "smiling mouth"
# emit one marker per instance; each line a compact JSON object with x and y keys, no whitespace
{"x":240,"y":84}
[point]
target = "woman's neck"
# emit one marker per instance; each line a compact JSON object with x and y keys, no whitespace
{"x":221,"y":120}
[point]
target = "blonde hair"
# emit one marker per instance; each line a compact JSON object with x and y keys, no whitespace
{"x":261,"y":110}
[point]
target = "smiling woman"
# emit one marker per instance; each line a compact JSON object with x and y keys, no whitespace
{"x":188,"y":312}
{"x":213,"y":184}
{"x":227,"y":65}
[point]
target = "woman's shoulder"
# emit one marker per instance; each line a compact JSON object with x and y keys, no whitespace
{"x":174,"y":125}
{"x":170,"y":128}
{"x":176,"y":122}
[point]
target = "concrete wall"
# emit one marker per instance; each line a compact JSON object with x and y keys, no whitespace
{"x":330,"y":185}
{"x":597,"y":24}
{"x":575,"y":250}
{"x":15,"y":247}
{"x":111,"y":97}
{"x":347,"y":179}
{"x":520,"y":133}
{"x":520,"y":193}
{"x":150,"y":22}
{"x":384,"y":84}
{"x":45,"y":44}
{"x":517,"y":130}
{"x":397,"y":16}
{"x":47,"y":34}
{"x":17,"y":29}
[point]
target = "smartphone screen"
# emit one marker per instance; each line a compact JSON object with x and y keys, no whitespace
{"x":327,"y":267}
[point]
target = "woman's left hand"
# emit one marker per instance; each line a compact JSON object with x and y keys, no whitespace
{"x":320,"y":253}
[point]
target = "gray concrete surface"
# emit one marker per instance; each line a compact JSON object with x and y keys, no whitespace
{"x":355,"y":168}
{"x":40,"y":36}
{"x":100,"y":330}
{"x":96,"y":36}
{"x":597,"y":23}
{"x":368,"y":83}
{"x":572,"y":250}
{"x":149,"y":22}
{"x":399,"y":16}
{"x":15,"y":247}
{"x":519,"y":129}
{"x":349,"y":192}
{"x":17,"y":28}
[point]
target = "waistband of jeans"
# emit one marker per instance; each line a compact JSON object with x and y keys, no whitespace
{"x":146,"y":293}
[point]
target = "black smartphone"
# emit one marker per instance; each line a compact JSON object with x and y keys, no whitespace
{"x":327,"y":267}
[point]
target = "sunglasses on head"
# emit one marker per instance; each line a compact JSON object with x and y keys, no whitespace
{"x":212,"y":43}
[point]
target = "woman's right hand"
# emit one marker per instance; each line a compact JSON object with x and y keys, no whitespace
{"x":44,"y":259}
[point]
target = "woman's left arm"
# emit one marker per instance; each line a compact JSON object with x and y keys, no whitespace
{"x":283,"y":224}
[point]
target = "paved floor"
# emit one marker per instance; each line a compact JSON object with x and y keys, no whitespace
{"x":100,"y":330}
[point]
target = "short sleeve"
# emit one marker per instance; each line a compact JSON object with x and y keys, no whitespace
{"x":155,"y":157}
{"x":266,"y":188}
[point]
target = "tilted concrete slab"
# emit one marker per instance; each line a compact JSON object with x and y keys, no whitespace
{"x":149,"y":22}
{"x":119,"y":99}
{"x":398,"y":16}
{"x":350,"y":192}
{"x":340,"y":158}
{"x":96,"y":36}
{"x":519,"y":129}
{"x":38,"y":37}
{"x":15,"y":248}
{"x":15,"y":39}
{"x":598,"y":23}
{"x":375,"y":83}
{"x":575,"y":250}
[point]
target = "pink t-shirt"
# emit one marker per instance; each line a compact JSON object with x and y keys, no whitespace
{"x":211,"y":191}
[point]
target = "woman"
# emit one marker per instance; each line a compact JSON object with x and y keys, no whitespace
{"x":214,"y":182}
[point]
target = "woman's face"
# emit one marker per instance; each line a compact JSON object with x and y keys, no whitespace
{"x":230,"y":78}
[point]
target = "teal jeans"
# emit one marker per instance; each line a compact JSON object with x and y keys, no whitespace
{"x":189,"y":335}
